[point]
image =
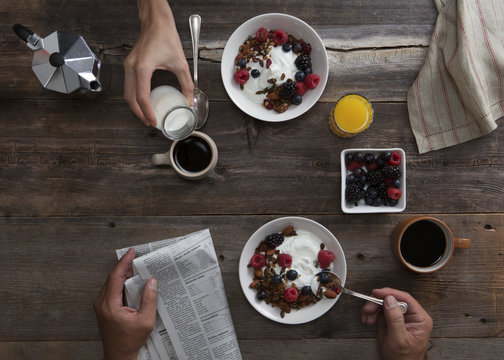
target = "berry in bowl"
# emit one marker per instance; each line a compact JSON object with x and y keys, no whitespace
{"x":373,"y":180}
{"x":274,"y":67}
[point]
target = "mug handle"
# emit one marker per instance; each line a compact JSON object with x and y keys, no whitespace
{"x":161,"y":159}
{"x":462,"y":243}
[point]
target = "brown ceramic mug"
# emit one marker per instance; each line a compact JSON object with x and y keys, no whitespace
{"x":425,"y":244}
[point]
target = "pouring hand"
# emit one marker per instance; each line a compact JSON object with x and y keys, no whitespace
{"x":158,"y":47}
{"x":124,"y":330}
{"x":399,"y":336}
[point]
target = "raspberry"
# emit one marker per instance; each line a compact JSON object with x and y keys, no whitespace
{"x":325,"y":258}
{"x":262,"y":34}
{"x":258,"y":261}
{"x":353,"y":165}
{"x":284,"y":260}
{"x":395,"y":159}
{"x":394,"y":193}
{"x":301,"y":88}
{"x":241,"y":76}
{"x":291,"y":294}
{"x":311,"y":81}
{"x":279,"y":37}
{"x":306,"y":48}
{"x":371,"y":166}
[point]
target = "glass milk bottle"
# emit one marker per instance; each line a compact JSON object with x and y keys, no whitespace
{"x":174,"y":117}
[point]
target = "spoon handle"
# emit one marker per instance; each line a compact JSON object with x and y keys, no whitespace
{"x":402,"y":304}
{"x":195,"y":25}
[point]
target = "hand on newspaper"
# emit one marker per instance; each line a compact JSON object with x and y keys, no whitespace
{"x":124,"y":330}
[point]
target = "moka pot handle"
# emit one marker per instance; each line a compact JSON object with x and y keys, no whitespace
{"x":22,"y":32}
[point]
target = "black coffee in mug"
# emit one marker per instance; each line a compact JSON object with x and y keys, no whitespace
{"x":192,"y":154}
{"x":423,"y":243}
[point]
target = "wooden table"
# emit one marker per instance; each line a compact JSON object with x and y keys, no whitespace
{"x":76,"y":182}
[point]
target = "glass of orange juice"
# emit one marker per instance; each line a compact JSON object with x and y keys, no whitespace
{"x":351,"y":115}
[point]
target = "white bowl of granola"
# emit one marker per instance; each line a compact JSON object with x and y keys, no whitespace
{"x":309,"y":90}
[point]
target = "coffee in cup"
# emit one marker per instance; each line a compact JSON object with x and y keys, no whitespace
{"x":425,"y":244}
{"x":192,"y":158}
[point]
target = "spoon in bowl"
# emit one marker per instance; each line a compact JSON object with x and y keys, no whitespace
{"x":333,"y":282}
{"x":200,"y":99}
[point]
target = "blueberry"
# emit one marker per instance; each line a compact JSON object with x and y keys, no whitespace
{"x":306,"y":290}
{"x":378,"y":201}
{"x":308,"y":71}
{"x":362,"y":179}
{"x":242,"y":63}
{"x":382,"y":187}
{"x":323,"y":277}
{"x":296,"y":99}
{"x":277,"y":279}
{"x":296,"y":47}
{"x":261,"y":295}
{"x":286,"y":47}
{"x":292,"y":275}
{"x":358,"y":157}
{"x":369,"y":201}
{"x":372,"y":192}
{"x":351,"y":179}
{"x":300,"y":75}
{"x":396,"y":183}
{"x":348,"y":158}
{"x":380,"y":163}
{"x":255,"y":73}
{"x":385,"y":155}
{"x":358,"y":171}
{"x":393,"y":202}
{"x":369,"y":158}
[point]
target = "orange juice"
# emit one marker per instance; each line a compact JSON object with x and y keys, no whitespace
{"x":351,"y":115}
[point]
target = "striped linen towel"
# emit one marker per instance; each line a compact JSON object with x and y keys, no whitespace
{"x":459,"y":92}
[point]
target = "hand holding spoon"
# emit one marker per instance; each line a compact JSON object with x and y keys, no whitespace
{"x":333,"y":282}
{"x":200,"y":99}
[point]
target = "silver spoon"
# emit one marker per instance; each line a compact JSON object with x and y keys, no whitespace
{"x":335,"y":282}
{"x":200,"y":99}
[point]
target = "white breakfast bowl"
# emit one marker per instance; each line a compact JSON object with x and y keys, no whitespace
{"x":298,"y":29}
{"x":246,"y":274}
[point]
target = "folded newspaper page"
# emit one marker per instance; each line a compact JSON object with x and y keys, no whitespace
{"x":194,"y":317}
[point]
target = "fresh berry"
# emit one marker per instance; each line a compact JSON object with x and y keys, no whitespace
{"x":258,"y":261}
{"x":262,"y":35}
{"x":385,"y":155}
{"x":261,"y":295}
{"x":255,"y":73}
{"x":358,"y":172}
{"x":302,"y":62}
{"x":296,"y":99}
{"x":348,"y":158}
{"x":378,"y":201}
{"x":395,"y":159}
{"x":292,"y":275}
{"x":369,"y":158}
{"x":291,"y":294}
{"x":359,"y":157}
{"x":353,"y":193}
{"x":396,"y":183}
{"x":393,"y":202}
{"x":284,"y":260}
{"x":374,"y":177}
{"x":299,"y":76}
{"x":392,"y":172}
{"x":242,"y":63}
{"x":241,"y":76}
{"x":312,"y":80}
{"x":353,"y":165}
{"x":325,"y":258}
{"x":393,"y":193}
{"x":380,"y":163}
{"x":306,"y":48}
{"x":287,"y":90}
{"x":296,"y":48}
{"x":308,"y":71}
{"x":323,"y":278}
{"x":277,"y":279}
{"x":301,"y":88}
{"x":371,"y":166}
{"x":274,"y":240}
{"x":372,"y":192}
{"x":369,"y":200}
{"x":268,"y":104}
{"x":279,"y":37}
{"x":306,"y":290}
{"x":287,"y":47}
{"x":268,"y":63}
{"x":362,"y":180}
{"x":351,"y":179}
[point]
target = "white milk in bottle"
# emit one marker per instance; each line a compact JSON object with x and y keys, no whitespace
{"x":175,"y":118}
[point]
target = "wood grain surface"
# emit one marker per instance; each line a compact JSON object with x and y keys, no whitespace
{"x":76,"y":182}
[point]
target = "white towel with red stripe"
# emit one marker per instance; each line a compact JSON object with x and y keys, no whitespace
{"x":459,"y":92}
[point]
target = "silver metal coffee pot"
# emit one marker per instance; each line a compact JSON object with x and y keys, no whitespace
{"x":63,"y":62}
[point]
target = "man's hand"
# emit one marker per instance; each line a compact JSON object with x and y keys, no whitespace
{"x":124,"y":330}
{"x":400,"y":336}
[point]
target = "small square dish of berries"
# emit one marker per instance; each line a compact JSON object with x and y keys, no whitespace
{"x":373,"y":180}
{"x":278,"y":265}
{"x":274,"y":67}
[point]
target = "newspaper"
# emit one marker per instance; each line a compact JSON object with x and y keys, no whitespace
{"x":193,"y":319}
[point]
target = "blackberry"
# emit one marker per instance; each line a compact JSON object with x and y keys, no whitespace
{"x":382,"y":194}
{"x":392,"y":172}
{"x":374,"y":177}
{"x":288,"y":90}
{"x":303,"y":61}
{"x":353,"y":193}
{"x":274,"y":240}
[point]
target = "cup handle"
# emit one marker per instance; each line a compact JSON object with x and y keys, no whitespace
{"x":161,"y":159}
{"x":462,"y":243}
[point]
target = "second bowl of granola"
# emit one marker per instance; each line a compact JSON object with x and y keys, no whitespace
{"x":279,"y":45}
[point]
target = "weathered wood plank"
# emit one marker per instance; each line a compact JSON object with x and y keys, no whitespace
{"x":63,"y":158}
{"x":51,"y":269}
